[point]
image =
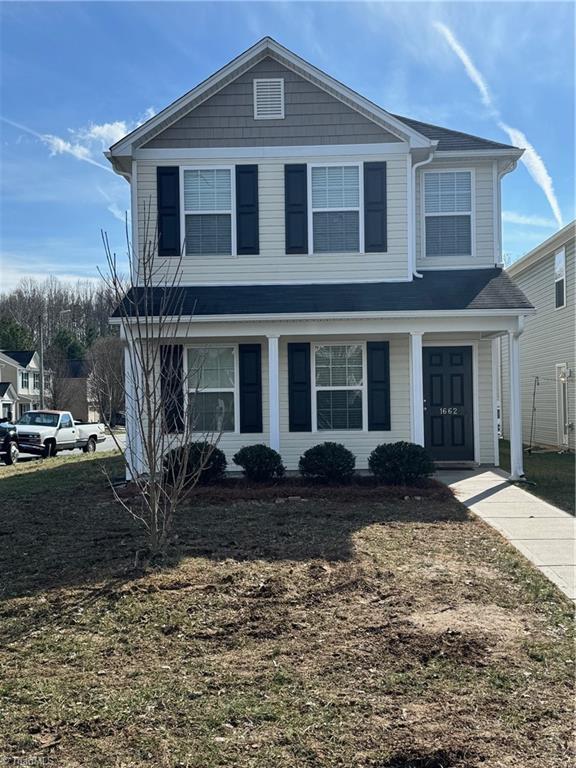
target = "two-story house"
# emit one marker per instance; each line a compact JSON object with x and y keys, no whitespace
{"x":340,"y":269}
{"x":21,"y":370}
{"x":547,"y":276}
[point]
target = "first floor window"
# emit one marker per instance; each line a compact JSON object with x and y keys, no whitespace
{"x":335,"y":208}
{"x":339,"y":383}
{"x":448,"y":213}
{"x":560,"y":278}
{"x":24,"y":379}
{"x":208,"y":211}
{"x":211,"y":388}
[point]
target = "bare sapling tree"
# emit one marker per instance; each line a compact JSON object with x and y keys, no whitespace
{"x":170,"y":440}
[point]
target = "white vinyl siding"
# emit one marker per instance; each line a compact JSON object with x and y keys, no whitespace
{"x":547,"y":341}
{"x":269,"y":98}
{"x":272,"y":264}
{"x":207,"y":207}
{"x":485,"y":223}
{"x":448,"y":213}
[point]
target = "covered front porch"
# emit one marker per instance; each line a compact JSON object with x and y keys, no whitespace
{"x":426,"y":378}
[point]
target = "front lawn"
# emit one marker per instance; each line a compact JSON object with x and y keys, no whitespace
{"x":551,"y":475}
{"x":319,"y":633}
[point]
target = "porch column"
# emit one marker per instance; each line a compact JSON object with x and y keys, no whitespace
{"x":516,"y":454}
{"x":416,"y":388}
{"x":273,"y":393}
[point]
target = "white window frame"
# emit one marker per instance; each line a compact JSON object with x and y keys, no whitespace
{"x":363,"y":387}
{"x":557,"y":280}
{"x":360,"y":209}
{"x":235,"y":389}
{"x":231,"y":212}
{"x":267,"y":80}
{"x":471,"y":213}
{"x":35,"y":380}
{"x":27,"y":375}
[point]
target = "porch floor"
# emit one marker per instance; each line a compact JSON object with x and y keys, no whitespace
{"x":541,"y":532}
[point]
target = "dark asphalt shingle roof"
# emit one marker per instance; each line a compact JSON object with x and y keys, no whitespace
{"x":449,"y":140}
{"x":4,"y":387}
{"x":460,"y":289}
{"x":22,"y":357}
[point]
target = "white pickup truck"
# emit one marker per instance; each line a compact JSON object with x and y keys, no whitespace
{"x":44,"y":433}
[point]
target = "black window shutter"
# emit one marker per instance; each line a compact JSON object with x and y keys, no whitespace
{"x":172,"y":386}
{"x":250,"y":367}
{"x":378,"y":385}
{"x":168,"y":197}
{"x":299,"y":388}
{"x":247,"y":233}
{"x":375,"y":213}
{"x":296,"y":208}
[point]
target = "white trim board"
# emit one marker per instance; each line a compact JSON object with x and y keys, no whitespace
{"x":275,"y":152}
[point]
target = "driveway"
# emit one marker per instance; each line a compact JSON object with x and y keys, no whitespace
{"x":541,"y":532}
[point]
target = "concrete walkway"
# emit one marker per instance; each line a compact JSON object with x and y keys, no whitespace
{"x":541,"y":532}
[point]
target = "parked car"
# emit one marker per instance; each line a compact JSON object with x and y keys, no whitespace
{"x":9,"y":450}
{"x":44,"y":433}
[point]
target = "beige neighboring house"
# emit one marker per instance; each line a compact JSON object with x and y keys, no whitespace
{"x":76,"y":395}
{"x":547,"y":345}
{"x":21,"y":369}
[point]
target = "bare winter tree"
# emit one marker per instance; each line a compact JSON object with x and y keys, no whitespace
{"x":169,"y":445}
{"x":106,"y":381}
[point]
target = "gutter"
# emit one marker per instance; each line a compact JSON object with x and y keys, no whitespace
{"x":412,"y":217}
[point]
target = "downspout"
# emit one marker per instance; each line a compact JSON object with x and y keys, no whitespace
{"x":413,"y":206}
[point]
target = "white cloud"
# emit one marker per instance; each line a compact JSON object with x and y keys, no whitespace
{"x":510,"y":217}
{"x":471,"y":70}
{"x":536,"y":168}
{"x":531,"y":159}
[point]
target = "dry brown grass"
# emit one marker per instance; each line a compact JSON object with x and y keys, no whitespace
{"x":382,"y":633}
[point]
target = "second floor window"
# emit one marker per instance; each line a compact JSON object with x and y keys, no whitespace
{"x":208,"y":209}
{"x":335,"y":209}
{"x":24,"y":379}
{"x":448,"y":213}
{"x":36,"y":380}
{"x":560,"y":278}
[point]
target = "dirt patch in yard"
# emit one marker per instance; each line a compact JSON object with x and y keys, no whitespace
{"x":308,"y":634}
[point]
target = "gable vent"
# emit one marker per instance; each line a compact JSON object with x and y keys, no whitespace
{"x":269,"y":99}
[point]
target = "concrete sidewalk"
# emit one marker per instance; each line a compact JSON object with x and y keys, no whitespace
{"x":543,"y":533}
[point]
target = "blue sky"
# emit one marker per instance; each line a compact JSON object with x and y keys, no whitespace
{"x":76,"y":75}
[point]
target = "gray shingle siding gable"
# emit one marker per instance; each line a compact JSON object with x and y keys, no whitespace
{"x":312,"y":117}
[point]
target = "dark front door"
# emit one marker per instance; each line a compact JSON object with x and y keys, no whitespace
{"x":448,"y":403}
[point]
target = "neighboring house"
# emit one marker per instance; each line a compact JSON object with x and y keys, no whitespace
{"x":547,"y":345}
{"x":21,"y":369}
{"x":8,"y":401}
{"x":75,"y":391}
{"x":341,"y":265}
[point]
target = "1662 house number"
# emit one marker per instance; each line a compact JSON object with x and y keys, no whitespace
{"x":449,"y":411}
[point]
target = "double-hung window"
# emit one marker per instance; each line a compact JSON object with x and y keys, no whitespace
{"x":24,"y":379}
{"x":208,"y":211}
{"x":339,"y":386}
{"x":36,"y":380}
{"x":212,"y":388}
{"x":560,"y":278}
{"x":335,"y":208}
{"x":448,"y":213}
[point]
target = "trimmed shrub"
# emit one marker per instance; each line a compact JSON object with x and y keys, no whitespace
{"x":259,"y":462}
{"x":213,"y":468}
{"x":328,"y":463}
{"x":400,"y":463}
